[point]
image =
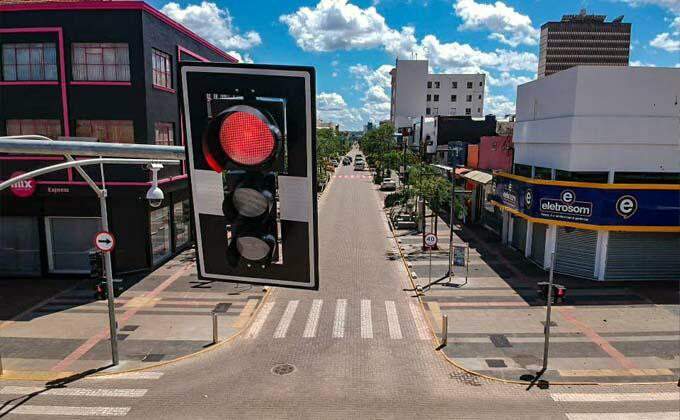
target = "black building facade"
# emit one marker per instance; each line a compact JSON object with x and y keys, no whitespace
{"x":100,"y":71}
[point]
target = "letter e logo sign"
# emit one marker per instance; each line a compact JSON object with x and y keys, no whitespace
{"x":626,"y":206}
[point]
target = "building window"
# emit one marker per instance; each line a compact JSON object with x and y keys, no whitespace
{"x":429,"y":85}
{"x":429,"y":97}
{"x":162,"y":75}
{"x":29,"y":62}
{"x":165,"y":134}
{"x":481,"y":84}
{"x":479,"y":110}
{"x":454,"y":98}
{"x":468,"y":98}
{"x":469,"y":85}
{"x":468,"y":111}
{"x":47,"y":128}
{"x":479,"y":97}
{"x":101,"y":62}
{"x":182,"y":223}
{"x":454,"y":85}
{"x":110,"y":131}
{"x":453,"y":111}
{"x":427,"y":111}
{"x":160,"y":234}
{"x":436,"y":85}
{"x":435,"y":111}
{"x":436,"y":98}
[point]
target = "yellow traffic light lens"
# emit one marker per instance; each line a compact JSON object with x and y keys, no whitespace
{"x":250,"y":202}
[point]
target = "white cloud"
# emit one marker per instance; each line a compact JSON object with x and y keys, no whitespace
{"x":376,"y":84}
{"x":212,"y":23}
{"x":339,"y":25}
{"x":676,"y":25}
{"x":672,"y":5}
{"x":331,"y":106}
{"x":506,"y":79}
{"x":334,"y":74}
{"x":242,"y":58}
{"x":499,"y":105}
{"x":637,"y":63}
{"x":506,"y":25}
{"x":665,"y":42}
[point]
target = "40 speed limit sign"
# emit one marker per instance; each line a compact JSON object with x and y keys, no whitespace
{"x":430,"y":239}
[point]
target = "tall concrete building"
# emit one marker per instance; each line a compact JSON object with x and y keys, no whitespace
{"x":583,"y":39}
{"x":416,"y":93}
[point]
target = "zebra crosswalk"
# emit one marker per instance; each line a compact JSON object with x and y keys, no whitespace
{"x":76,"y":399}
{"x":339,"y":318}
{"x":605,"y":406}
{"x":354,"y":176}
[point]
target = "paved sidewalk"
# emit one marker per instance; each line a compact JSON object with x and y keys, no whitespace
{"x":164,"y":316}
{"x":604,"y":332}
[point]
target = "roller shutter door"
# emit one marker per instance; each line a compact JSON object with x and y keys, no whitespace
{"x":19,"y":246}
{"x":493,"y":219}
{"x":538,"y":243}
{"x":575,"y":252}
{"x":643,"y":256}
{"x":519,"y":233}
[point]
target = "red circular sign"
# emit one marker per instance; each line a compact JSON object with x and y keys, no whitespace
{"x":24,"y":188}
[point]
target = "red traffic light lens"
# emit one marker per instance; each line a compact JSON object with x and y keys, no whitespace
{"x":246,"y":138}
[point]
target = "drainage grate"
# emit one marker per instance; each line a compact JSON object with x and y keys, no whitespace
{"x":283,"y":369}
{"x":129,"y":327}
{"x":496,"y":363}
{"x":500,"y":340}
{"x":465,"y":378}
{"x":552,"y":323}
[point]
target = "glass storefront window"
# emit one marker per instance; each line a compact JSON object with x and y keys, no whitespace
{"x":182,"y":223}
{"x":160,"y":234}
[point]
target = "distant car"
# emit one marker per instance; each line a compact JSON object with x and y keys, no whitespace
{"x":388,"y":184}
{"x":334,"y":162}
{"x":359,"y":166}
{"x":346,"y":161}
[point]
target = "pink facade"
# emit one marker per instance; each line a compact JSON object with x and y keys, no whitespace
{"x":496,"y":153}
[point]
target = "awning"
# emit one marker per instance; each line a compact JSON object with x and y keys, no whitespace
{"x":478,"y":176}
{"x":461,"y":171}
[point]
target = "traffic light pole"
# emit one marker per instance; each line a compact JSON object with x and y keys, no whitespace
{"x":546,"y":329}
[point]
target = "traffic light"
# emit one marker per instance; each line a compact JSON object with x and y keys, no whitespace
{"x":558,"y":294}
{"x":251,"y":151}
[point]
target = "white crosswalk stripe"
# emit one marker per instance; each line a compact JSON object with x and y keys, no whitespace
{"x":421,"y":327}
{"x":339,"y":324}
{"x":128,"y":376}
{"x":366,"y":319}
{"x":259,"y":321}
{"x":616,"y":397}
{"x":393,"y":320}
{"x":313,"y":319}
{"x":286,"y":319}
{"x":75,"y":392}
{"x":70,"y":411}
{"x":658,"y":415}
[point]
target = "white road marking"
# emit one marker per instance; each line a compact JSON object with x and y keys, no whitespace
{"x":55,"y":410}
{"x":313,"y":319}
{"x":259,"y":321}
{"x":339,"y":324}
{"x":393,"y":320}
{"x":420,"y":322}
{"x":76,"y":392}
{"x":366,"y":319}
{"x":617,"y":397}
{"x":129,"y":375}
{"x":286,"y":319}
{"x":662,"y":415}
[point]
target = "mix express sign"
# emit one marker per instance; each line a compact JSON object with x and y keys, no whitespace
{"x":596,"y":206}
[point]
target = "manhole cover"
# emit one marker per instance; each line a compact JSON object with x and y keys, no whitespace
{"x":283,"y":369}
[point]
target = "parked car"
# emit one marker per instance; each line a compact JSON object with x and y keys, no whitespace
{"x":346,"y":161}
{"x":359,"y":166}
{"x":388,"y":184}
{"x":334,"y":162}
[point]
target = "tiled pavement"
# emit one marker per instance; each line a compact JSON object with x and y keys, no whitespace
{"x":164,"y":316}
{"x":622,"y":332}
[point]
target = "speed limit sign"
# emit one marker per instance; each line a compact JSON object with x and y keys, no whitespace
{"x":430,"y":239}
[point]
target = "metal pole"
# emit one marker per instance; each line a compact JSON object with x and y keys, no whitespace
{"x":429,"y":272}
{"x":214,"y":325}
{"x":445,"y":330}
{"x":546,"y":329}
{"x":453,"y":202}
{"x":109,"y":283}
{"x":0,"y":364}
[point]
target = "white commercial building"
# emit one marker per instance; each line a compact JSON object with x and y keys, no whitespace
{"x":596,"y":178}
{"x":416,"y":93}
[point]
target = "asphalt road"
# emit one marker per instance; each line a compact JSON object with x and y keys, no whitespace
{"x":357,"y":349}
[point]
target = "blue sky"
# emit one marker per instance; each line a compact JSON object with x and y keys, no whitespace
{"x":353,"y":44}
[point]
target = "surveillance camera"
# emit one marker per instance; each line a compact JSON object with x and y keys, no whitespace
{"x":155,"y":196}
{"x":154,"y":166}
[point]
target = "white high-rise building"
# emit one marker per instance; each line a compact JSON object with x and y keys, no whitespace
{"x":416,"y":93}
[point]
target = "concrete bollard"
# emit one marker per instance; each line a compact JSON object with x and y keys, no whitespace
{"x":445,"y":330}
{"x":214,"y":325}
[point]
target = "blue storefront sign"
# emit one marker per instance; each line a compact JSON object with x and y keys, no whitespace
{"x":595,"y":206}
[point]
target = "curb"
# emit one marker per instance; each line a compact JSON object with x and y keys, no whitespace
{"x":52,"y":376}
{"x":481,"y":375}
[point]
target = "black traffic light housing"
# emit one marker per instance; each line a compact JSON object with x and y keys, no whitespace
{"x":250,"y":134}
{"x":558,"y":295}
